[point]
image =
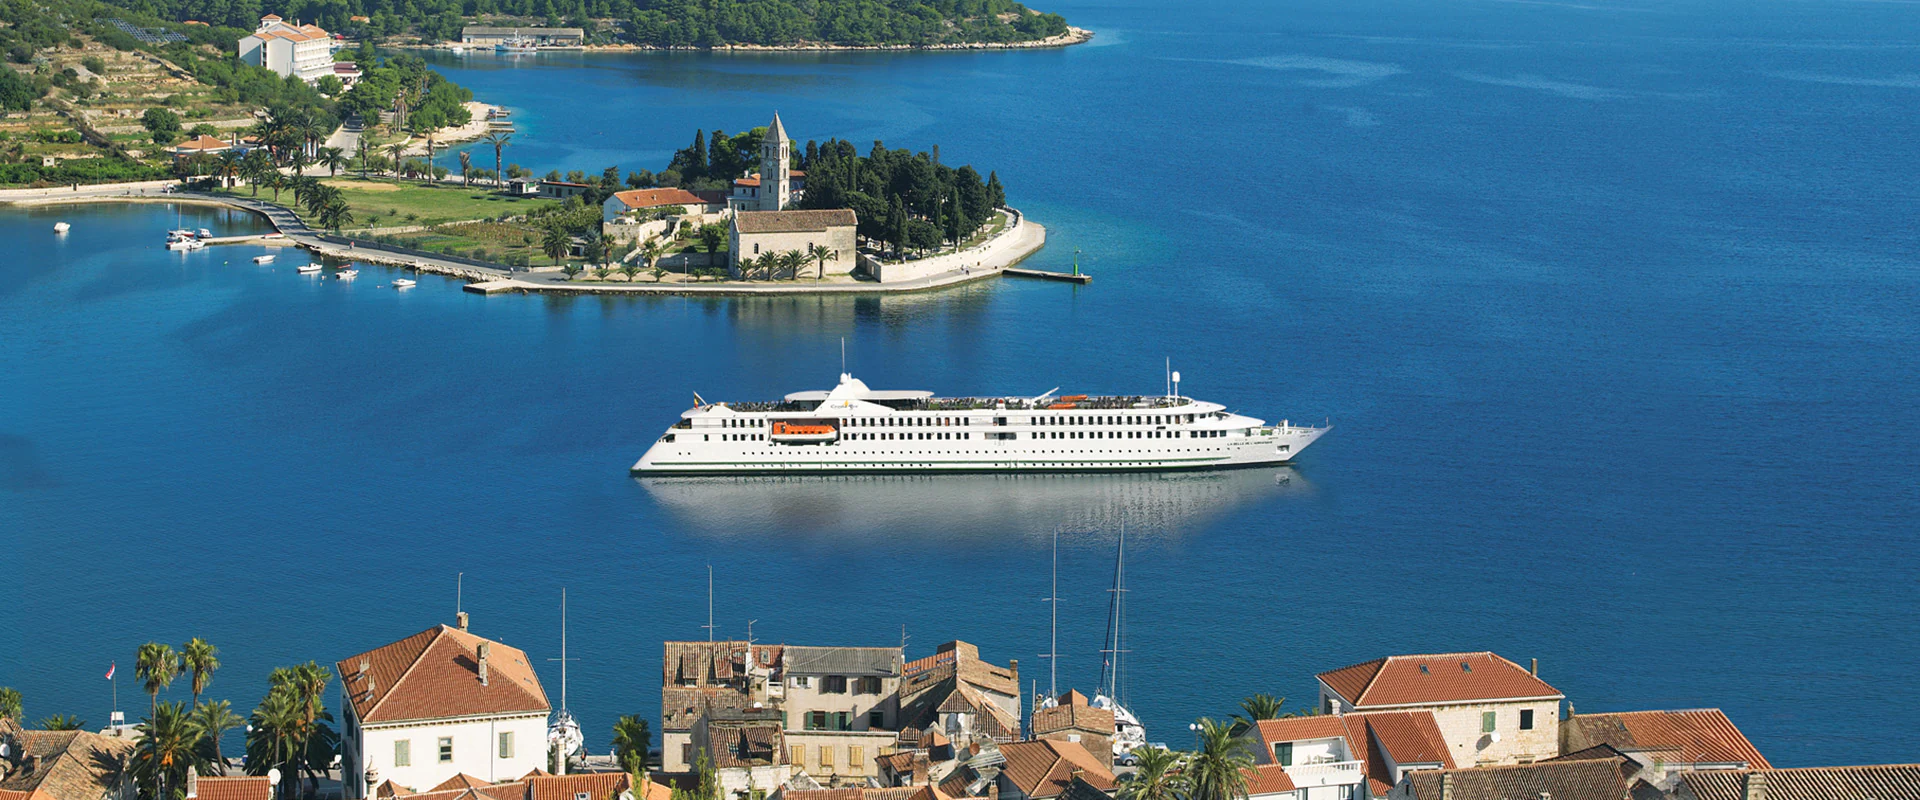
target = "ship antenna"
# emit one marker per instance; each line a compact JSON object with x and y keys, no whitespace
{"x":1169,"y":376}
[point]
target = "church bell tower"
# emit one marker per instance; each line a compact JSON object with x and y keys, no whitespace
{"x":776,"y":170}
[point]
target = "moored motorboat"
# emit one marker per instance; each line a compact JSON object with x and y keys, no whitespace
{"x":204,"y":233}
{"x":308,"y":269}
{"x":185,"y":244}
{"x":347,"y":274}
{"x":403,"y":283}
{"x":61,"y":227}
{"x":266,"y":259}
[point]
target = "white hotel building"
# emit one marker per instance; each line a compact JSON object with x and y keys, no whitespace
{"x":439,"y":703}
{"x":304,"y":51}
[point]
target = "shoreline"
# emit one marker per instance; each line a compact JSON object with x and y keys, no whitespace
{"x":476,"y":128}
{"x":498,"y":280}
{"x":1072,"y":37}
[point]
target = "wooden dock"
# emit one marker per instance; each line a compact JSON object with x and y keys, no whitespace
{"x":1021,"y":272}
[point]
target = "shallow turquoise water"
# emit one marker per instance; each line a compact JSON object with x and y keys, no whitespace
{"x":1613,"y":304}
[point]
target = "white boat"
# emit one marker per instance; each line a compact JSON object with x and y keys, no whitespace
{"x":185,"y":244}
{"x":203,"y":233}
{"x":514,"y":46}
{"x":403,"y":283}
{"x":61,"y":227}
{"x":307,"y":269}
{"x":266,"y":259}
{"x":346,"y":274}
{"x":854,"y":429}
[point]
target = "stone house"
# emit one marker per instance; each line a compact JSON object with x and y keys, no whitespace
{"x":754,"y":233}
{"x":1488,"y":709}
{"x":63,"y":765}
{"x":290,"y":50}
{"x":439,"y":703}
{"x":1665,"y":743}
{"x":489,"y":35}
{"x":747,"y":750}
{"x":1878,"y":782}
{"x":842,"y":708}
{"x":1557,"y":779}
{"x":1072,"y":719}
{"x":673,"y":201}
{"x":561,"y":190}
{"x":699,"y":677}
{"x":1046,"y":769}
{"x":1350,"y":756}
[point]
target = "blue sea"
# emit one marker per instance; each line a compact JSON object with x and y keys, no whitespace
{"x":1614,"y":304}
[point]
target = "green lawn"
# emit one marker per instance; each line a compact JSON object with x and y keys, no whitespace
{"x":378,"y":203}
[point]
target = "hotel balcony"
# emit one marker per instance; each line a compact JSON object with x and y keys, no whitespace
{"x":1331,"y":773}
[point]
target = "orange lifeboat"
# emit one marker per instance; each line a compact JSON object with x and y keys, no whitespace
{"x":1058,"y":406}
{"x":1073,"y":398}
{"x":791,"y":429}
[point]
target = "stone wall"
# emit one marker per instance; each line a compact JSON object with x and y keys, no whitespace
{"x":1017,"y":241}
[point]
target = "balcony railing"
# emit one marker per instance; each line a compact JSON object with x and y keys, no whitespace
{"x":1334,"y":773}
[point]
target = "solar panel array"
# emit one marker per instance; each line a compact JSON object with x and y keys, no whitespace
{"x":148,"y":35}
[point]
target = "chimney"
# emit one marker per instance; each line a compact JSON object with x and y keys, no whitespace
{"x":460,"y":619}
{"x":484,"y":647}
{"x":1446,"y":786}
{"x":1535,"y":672}
{"x":993,"y":790}
{"x":1756,"y":787}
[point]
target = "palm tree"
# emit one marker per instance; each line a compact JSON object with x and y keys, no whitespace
{"x":215,"y":718}
{"x":277,"y":181}
{"x":255,"y":167}
{"x":335,"y":215}
{"x":365,"y":148}
{"x":167,"y":750}
{"x":201,"y":659}
{"x":1157,"y":775}
{"x":822,"y":254}
{"x":62,"y":722}
{"x":1258,"y":707}
{"x":629,"y":269}
{"x":572,"y":270}
{"x":9,"y":703}
{"x":556,"y":243}
{"x":1217,"y":770}
{"x":793,"y":261}
{"x":651,"y":251}
{"x":229,"y":168}
{"x":466,"y":165}
{"x":334,"y":158}
{"x":499,"y":142}
{"x":157,"y":665}
{"x":271,"y":732}
{"x":396,"y":151}
{"x":631,"y":738}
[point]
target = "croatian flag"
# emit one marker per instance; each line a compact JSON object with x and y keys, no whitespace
{"x":110,"y":667}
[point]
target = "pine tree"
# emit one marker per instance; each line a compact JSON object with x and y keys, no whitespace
{"x":720,"y":159}
{"x":897,"y":225}
{"x":996,"y":194}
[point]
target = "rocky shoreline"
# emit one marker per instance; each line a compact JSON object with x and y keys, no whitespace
{"x":1072,"y":37}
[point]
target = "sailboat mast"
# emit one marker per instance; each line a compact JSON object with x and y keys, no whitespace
{"x":563,"y":648}
{"x":1053,"y":649}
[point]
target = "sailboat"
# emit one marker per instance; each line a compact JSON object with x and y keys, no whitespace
{"x":563,"y":736}
{"x":1128,"y":733}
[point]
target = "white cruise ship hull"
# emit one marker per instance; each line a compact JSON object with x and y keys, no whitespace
{"x":908,"y":432}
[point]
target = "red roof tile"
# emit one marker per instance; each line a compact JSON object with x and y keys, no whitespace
{"x":596,"y":785}
{"x":1043,"y":768}
{"x":654,"y":198}
{"x":1433,"y":679}
{"x":434,"y":674}
{"x":1695,"y":736}
{"x":1409,"y":737}
{"x":233,"y":788}
{"x":1880,"y":782}
{"x":1267,"y":779}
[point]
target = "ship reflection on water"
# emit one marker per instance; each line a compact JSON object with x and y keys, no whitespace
{"x":949,"y":506}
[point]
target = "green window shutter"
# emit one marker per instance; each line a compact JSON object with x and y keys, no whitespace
{"x":1486,"y":722}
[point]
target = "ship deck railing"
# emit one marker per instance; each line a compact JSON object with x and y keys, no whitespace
{"x":1101,"y":403}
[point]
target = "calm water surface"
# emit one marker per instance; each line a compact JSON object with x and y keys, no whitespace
{"x":1613,"y":304}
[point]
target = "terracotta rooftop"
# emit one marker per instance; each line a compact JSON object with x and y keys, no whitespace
{"x":1072,"y":712}
{"x":1267,"y":779}
{"x":1695,"y":736}
{"x":202,"y":143}
{"x":793,"y":221}
{"x":867,"y":793}
{"x":1879,"y":782}
{"x":1377,"y":739}
{"x":434,"y":674}
{"x":595,"y":785}
{"x":68,"y":765}
{"x":1409,"y":737}
{"x":1437,"y":678}
{"x":1599,"y":779}
{"x":655,"y":198}
{"x":239,"y":787}
{"x":1043,"y":768}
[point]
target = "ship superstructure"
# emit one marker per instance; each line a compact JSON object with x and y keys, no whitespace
{"x":853,"y":429}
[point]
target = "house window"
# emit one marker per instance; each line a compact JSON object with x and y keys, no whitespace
{"x":868,"y":685}
{"x":756,"y":249}
{"x":802,"y":681}
{"x":1283,"y":753}
{"x":446,"y":749}
{"x":582,"y":796}
{"x":834,"y":684}
{"x":797,"y":755}
{"x":876,"y":719}
{"x":403,"y":753}
{"x":1526,"y":719}
{"x":686,"y":754}
{"x":826,"y":758}
{"x":856,"y":758}
{"x":506,"y":744}
{"x":1486,"y":722}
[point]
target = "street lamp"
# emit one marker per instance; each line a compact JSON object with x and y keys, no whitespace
{"x":1195,"y":727}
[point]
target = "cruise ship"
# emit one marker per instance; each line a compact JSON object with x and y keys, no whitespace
{"x":853,"y":429}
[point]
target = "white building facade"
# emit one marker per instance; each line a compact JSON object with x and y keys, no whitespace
{"x":302,"y":51}
{"x":440,"y":703}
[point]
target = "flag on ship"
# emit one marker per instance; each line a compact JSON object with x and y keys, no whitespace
{"x":111,"y":665}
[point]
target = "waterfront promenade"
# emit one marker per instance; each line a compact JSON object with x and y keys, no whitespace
{"x":1020,"y":239}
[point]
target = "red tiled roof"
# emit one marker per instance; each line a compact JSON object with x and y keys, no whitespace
{"x":1435,"y":678}
{"x":1880,"y":782}
{"x":1599,"y":779}
{"x":1695,"y":736}
{"x":596,"y":785}
{"x":434,"y":674}
{"x":654,"y":198}
{"x":1410,"y":737}
{"x":1267,"y":779}
{"x":1044,"y":768}
{"x":202,"y":143}
{"x":68,"y":765}
{"x":461,"y":781}
{"x":1294,"y":729}
{"x":233,"y":788}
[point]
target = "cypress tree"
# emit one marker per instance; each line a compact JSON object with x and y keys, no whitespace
{"x":720,"y":157}
{"x":996,"y":194}
{"x":698,"y":163}
{"x":897,"y":225}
